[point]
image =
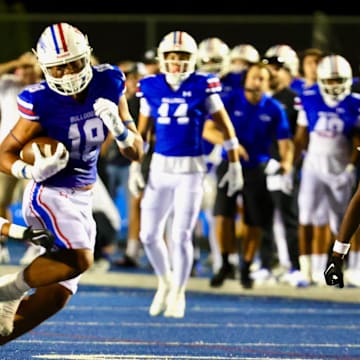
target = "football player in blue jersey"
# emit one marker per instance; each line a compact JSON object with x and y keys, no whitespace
{"x":178,"y":101}
{"x":77,"y":104}
{"x":239,"y":59}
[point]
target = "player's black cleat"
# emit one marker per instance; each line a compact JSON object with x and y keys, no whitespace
{"x":245,"y":279}
{"x":41,"y":237}
{"x":227,"y":271}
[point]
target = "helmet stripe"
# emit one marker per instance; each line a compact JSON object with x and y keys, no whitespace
{"x":54,"y":39}
{"x":177,"y":40}
{"x":334,"y":65}
{"x":180,"y":37}
{"x":62,"y":38}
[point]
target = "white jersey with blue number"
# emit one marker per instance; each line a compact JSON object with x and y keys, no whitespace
{"x":330,"y":130}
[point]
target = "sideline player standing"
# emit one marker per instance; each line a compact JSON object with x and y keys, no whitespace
{"x":178,"y":101}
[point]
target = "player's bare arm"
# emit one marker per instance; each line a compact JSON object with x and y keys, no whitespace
{"x":301,"y":140}
{"x":223,"y":122}
{"x":23,"y":131}
{"x":119,"y":121}
{"x":286,"y":149}
{"x":136,"y":151}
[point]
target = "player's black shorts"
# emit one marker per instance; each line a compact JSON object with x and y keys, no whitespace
{"x":258,"y":206}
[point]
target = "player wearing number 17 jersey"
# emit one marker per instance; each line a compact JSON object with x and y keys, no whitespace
{"x":78,"y":105}
{"x":178,"y":101}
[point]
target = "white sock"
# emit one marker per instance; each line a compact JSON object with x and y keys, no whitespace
{"x":132,"y":248}
{"x":353,"y":260}
{"x":165,"y":281}
{"x":305,"y":265}
{"x":13,"y":286}
{"x":357,"y":260}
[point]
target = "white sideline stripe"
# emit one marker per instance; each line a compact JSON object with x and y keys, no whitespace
{"x":152,"y":357}
{"x":192,"y":344}
{"x":198,"y":325}
{"x":143,"y":281}
{"x":260,"y":310}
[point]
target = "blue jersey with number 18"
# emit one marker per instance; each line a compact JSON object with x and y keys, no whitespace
{"x":74,"y":123}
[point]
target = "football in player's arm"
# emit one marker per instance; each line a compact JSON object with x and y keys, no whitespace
{"x":78,"y":105}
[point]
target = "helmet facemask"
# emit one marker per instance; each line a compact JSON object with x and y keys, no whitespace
{"x":212,"y":56}
{"x":70,"y":84}
{"x":334,"y":79}
{"x":335,"y":90}
{"x":284,"y":55}
{"x":212,"y":65}
{"x":184,"y":69}
{"x":181,"y":43}
{"x":241,"y":57}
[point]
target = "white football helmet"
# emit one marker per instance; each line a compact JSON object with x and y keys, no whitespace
{"x":212,"y":55}
{"x":334,"y":76}
{"x":61,"y":44}
{"x":177,"y":41}
{"x":246,"y":53}
{"x":285,"y":56}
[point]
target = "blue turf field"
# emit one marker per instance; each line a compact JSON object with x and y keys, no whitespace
{"x":113,"y":323}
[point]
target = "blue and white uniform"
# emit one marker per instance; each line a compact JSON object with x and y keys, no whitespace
{"x":328,"y":153}
{"x":61,"y":203}
{"x":177,"y":167}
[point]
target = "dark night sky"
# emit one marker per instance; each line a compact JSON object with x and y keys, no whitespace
{"x":299,"y":7}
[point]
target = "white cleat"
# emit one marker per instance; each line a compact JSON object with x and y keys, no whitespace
{"x":158,"y":304}
{"x":352,"y":277}
{"x":4,"y":254}
{"x":7,"y":315}
{"x":263,"y":277}
{"x":295,"y":278}
{"x":318,"y":279}
{"x":176,"y":304}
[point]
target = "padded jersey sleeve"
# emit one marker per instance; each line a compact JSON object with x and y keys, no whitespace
{"x":26,"y":101}
{"x":111,"y":79}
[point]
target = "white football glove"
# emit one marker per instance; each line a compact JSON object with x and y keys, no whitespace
{"x":272,"y":167}
{"x":108,"y":112}
{"x":136,"y":182}
{"x":287,"y":183}
{"x":233,"y":177}
{"x":347,"y":177}
{"x":45,"y":167}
